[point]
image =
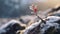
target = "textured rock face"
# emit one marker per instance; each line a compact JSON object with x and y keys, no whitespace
{"x":52,"y":26}
{"x":11,"y":27}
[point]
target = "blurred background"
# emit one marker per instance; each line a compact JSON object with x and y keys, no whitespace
{"x":17,"y":8}
{"x":11,"y":9}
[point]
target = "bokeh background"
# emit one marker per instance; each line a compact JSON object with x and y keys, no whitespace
{"x":14,"y":9}
{"x":17,"y":8}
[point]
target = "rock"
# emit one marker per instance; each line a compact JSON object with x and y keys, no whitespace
{"x":11,"y":27}
{"x":51,"y":26}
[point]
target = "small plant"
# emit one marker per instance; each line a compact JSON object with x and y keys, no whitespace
{"x":35,"y":10}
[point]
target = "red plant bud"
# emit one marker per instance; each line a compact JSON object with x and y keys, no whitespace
{"x":34,"y":8}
